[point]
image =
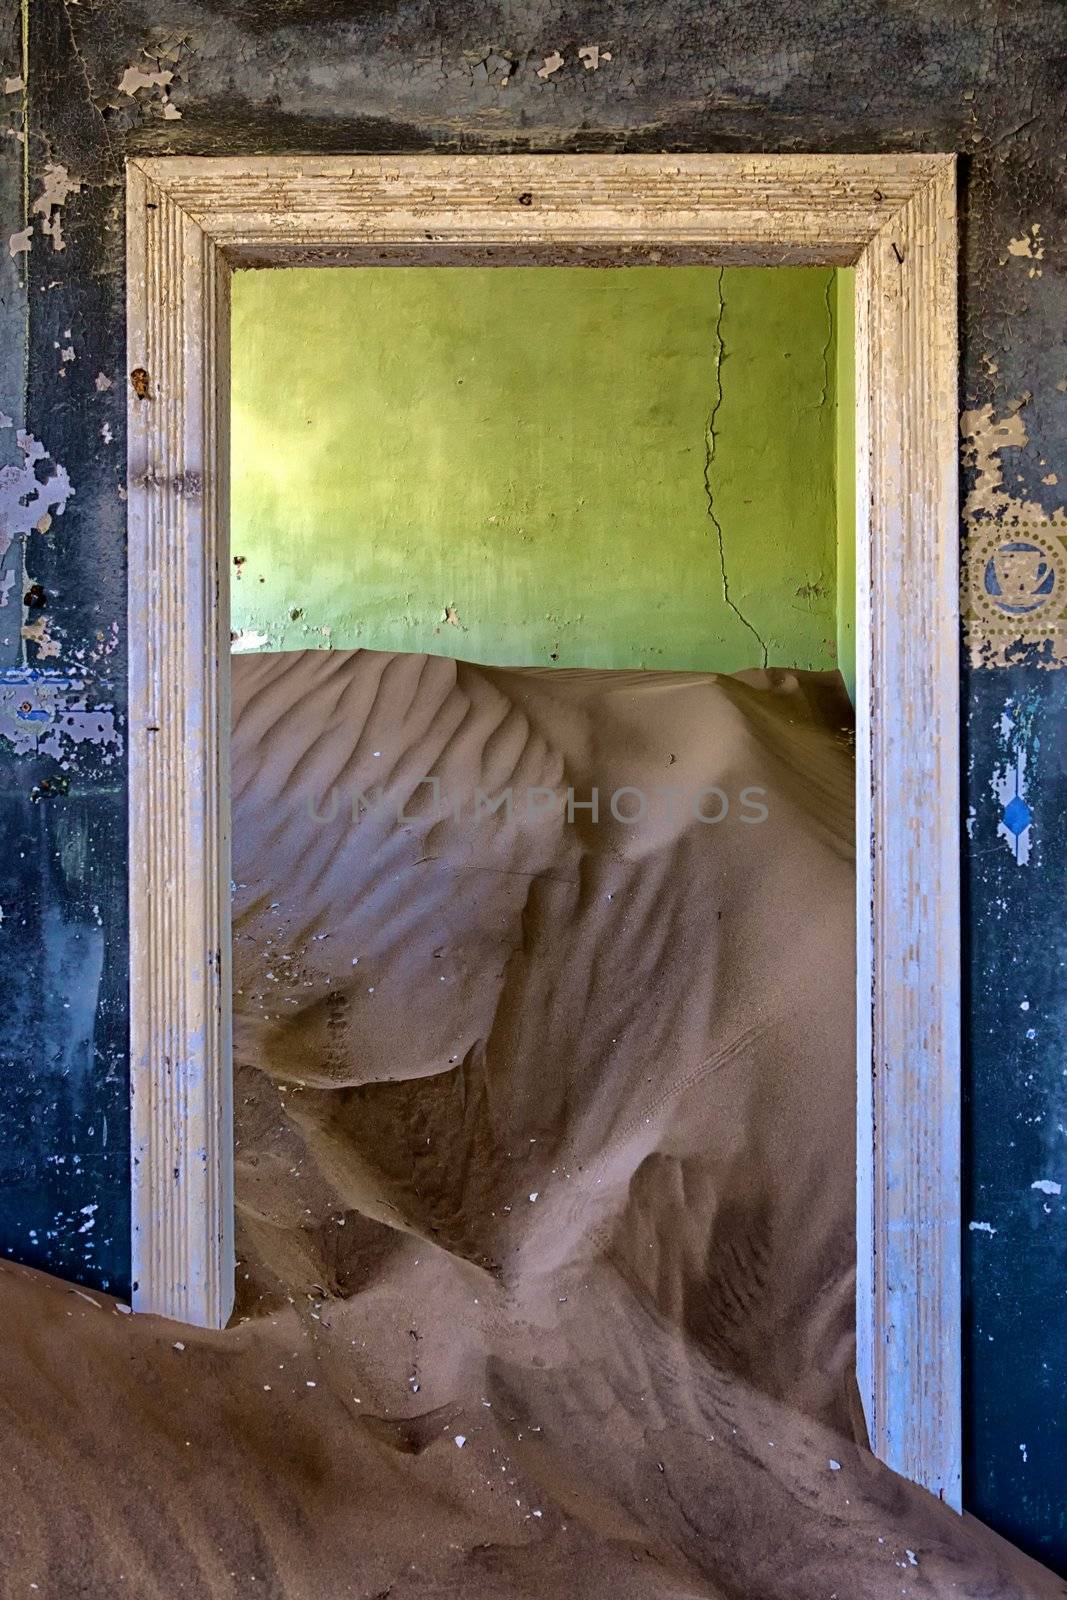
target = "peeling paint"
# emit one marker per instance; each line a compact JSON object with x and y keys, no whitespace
{"x":246,"y":639}
{"x":58,"y":185}
{"x":1011,"y":778}
{"x":135,"y":78}
{"x":1031,"y":247}
{"x":38,"y":632}
{"x":27,"y":501}
{"x":48,"y":712}
{"x":551,"y":64}
{"x":1015,"y":553}
{"x":1009,"y":786}
{"x":591,"y":56}
{"x":20,"y":242}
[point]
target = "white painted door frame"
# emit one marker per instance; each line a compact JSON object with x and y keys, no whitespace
{"x":190,"y":220}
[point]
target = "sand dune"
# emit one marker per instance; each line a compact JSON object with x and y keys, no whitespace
{"x":545,"y":1176}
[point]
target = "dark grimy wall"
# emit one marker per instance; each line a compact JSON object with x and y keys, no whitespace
{"x":87,"y":83}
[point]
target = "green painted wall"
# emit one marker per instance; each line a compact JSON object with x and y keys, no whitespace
{"x":621,"y":467}
{"x":846,"y":476}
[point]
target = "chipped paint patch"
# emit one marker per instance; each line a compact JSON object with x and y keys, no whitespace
{"x":551,"y":64}
{"x":1015,"y":556}
{"x":58,"y":185}
{"x":137,"y":78}
{"x":1031,"y":247}
{"x":28,"y":500}
{"x":247,"y":639}
{"x":1010,"y":780}
{"x":20,"y":242}
{"x":47,"y":712}
{"x":591,"y":56}
{"x":39,"y":632}
{"x":14,"y":85}
{"x":1047,"y":1186}
{"x":1016,"y":822}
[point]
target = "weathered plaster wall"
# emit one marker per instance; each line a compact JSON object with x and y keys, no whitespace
{"x":845,"y":442}
{"x":612,"y":468}
{"x":107,"y":77}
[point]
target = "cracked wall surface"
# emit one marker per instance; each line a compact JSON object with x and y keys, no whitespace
{"x":984,"y":80}
{"x":711,"y":450}
{"x":529,"y":446}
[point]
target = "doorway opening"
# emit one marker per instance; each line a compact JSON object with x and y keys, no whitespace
{"x":191,"y":222}
{"x":543,"y":920}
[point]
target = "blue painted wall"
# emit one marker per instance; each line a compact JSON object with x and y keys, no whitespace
{"x":1015,"y":1201}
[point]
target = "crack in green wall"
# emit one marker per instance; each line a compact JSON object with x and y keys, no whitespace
{"x":616,"y":467}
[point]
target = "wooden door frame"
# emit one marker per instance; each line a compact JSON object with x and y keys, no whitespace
{"x":190,"y":222}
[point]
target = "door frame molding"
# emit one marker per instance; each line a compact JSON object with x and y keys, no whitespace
{"x":190,"y":222}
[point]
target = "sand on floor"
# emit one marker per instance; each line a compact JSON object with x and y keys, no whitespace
{"x":545,"y":1171}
